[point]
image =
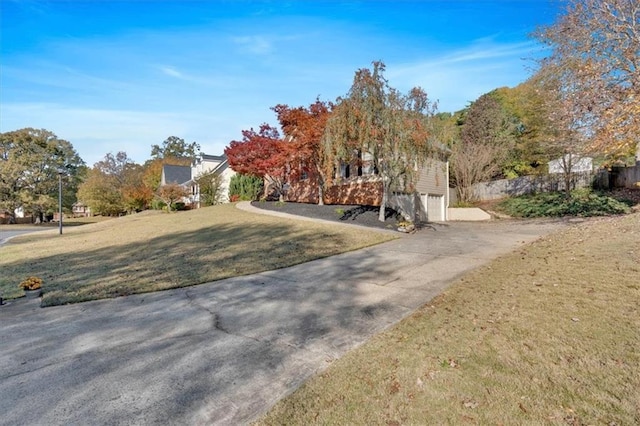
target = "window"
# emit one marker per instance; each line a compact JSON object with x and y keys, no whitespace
{"x":345,"y":171}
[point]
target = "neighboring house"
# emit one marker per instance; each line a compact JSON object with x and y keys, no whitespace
{"x":79,"y":209}
{"x":358,"y":183}
{"x":19,"y":212}
{"x":18,"y":217}
{"x":577,"y":163}
{"x":187,"y":176}
{"x":204,"y":164}
{"x":5,"y":217}
{"x":172,"y":174}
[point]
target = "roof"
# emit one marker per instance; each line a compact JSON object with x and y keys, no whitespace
{"x":176,"y":174}
{"x":214,"y":157}
{"x":206,"y":157}
{"x":222,"y":166}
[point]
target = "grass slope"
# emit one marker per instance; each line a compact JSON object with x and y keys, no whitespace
{"x":154,"y":251}
{"x":547,"y":335}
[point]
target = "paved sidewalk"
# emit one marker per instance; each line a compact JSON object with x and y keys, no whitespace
{"x":225,"y":352}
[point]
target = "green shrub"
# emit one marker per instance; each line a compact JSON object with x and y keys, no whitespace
{"x":245,"y":187}
{"x":582,"y":202}
{"x":158,"y":204}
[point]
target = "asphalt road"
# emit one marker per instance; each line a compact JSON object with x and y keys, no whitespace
{"x":225,"y":352}
{"x":6,"y":235}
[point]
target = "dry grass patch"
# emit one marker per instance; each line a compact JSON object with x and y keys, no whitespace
{"x":154,"y":251}
{"x":547,"y":335}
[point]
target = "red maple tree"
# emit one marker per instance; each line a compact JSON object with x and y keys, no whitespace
{"x":261,"y":154}
{"x":303,"y":129}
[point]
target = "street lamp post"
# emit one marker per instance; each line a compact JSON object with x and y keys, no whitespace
{"x":60,"y":172}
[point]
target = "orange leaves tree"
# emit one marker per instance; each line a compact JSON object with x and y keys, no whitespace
{"x":595,"y":54}
{"x":303,"y":129}
{"x":172,"y":193}
{"x":262,"y":154}
{"x":114,"y":186}
{"x":390,"y":127}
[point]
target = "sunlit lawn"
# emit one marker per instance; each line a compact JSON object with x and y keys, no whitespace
{"x":547,"y":335}
{"x":153,"y":251}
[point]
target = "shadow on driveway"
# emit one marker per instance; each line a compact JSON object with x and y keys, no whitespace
{"x":225,"y":352}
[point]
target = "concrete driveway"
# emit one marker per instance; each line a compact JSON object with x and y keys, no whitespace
{"x":225,"y":352}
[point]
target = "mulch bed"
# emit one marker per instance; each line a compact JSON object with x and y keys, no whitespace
{"x":368,"y":215}
{"x":628,"y":194}
{"x":358,"y":215}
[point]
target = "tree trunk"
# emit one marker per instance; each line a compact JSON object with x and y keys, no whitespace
{"x":567,"y":185}
{"x":384,"y":201}
{"x":320,"y":191}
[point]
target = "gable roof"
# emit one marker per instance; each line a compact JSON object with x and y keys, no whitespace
{"x":224,"y":163}
{"x":175,"y":174}
{"x":213,"y":157}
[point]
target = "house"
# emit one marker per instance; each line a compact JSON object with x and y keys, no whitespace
{"x":432,"y":189}
{"x":359,"y":183}
{"x":187,"y":176}
{"x":204,"y":164}
{"x":577,"y":164}
{"x":79,"y":209}
{"x":18,"y":217}
{"x":172,"y":174}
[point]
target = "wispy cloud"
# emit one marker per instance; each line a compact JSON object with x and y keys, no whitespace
{"x":258,"y":45}
{"x":483,"y":51}
{"x":171,"y":72}
{"x":95,"y":131}
{"x":100,"y":130}
{"x":125,"y":83}
{"x":460,"y":76}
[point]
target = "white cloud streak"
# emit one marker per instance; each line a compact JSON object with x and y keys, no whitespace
{"x":206,"y":84}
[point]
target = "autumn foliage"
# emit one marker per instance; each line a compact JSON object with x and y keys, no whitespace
{"x":596,"y":50}
{"x":303,"y":129}
{"x":172,"y":193}
{"x":260,"y":154}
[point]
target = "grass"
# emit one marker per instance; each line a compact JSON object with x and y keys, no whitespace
{"x":549,"y":334}
{"x":154,"y":251}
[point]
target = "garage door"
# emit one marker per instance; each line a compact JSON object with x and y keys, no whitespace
{"x":434,"y":205}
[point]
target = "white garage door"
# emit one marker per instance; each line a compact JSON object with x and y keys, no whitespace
{"x":434,"y":205}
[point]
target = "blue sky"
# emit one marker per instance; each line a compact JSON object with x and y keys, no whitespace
{"x":120,"y":75}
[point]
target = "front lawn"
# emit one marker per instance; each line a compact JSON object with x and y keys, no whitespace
{"x":153,"y":251}
{"x":549,"y":334}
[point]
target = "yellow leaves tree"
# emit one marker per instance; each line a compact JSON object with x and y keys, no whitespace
{"x":596,"y":49}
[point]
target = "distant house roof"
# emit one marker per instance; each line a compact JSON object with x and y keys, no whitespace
{"x":213,"y":157}
{"x":222,"y":166}
{"x":175,"y":174}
